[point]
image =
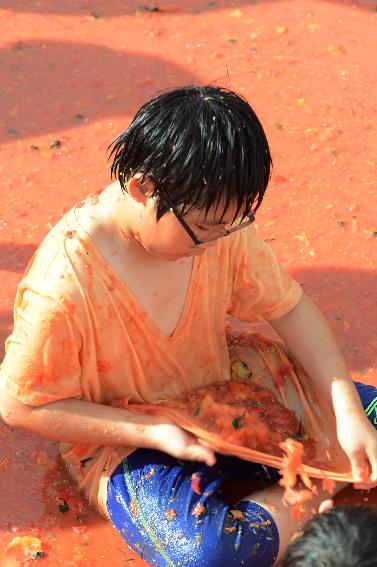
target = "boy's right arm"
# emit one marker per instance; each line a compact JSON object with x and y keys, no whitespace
{"x":41,"y":384}
{"x":78,"y":421}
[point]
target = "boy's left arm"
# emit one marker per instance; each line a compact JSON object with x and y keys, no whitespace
{"x":308,"y":336}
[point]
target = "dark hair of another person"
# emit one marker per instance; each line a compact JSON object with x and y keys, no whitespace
{"x":202,"y":145}
{"x":344,"y":536}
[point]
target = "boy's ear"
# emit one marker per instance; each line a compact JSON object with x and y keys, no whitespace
{"x":140,"y":190}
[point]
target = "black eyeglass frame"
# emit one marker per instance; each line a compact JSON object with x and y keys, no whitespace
{"x":191,"y":233}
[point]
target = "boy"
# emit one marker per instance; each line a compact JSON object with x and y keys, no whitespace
{"x":343,"y":536}
{"x":127,"y":297}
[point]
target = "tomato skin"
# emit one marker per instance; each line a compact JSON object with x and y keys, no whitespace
{"x":244,"y":413}
{"x":195,"y":481}
{"x":239,"y":389}
{"x":281,"y":374}
{"x":328,"y":485}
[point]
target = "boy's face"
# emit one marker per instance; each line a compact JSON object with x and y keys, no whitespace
{"x":168,"y":240}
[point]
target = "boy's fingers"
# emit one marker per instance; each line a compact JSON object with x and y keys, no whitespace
{"x":211,"y":461}
{"x":210,"y":458}
{"x":360,"y":469}
{"x":373,"y":464}
{"x":371,"y":479}
{"x":200,"y":453}
{"x":205,"y":444}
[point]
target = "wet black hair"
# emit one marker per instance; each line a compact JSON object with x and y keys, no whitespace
{"x":201,"y":146}
{"x":344,"y":536}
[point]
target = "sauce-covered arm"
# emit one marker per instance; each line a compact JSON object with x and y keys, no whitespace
{"x":308,"y":336}
{"x":78,"y":421}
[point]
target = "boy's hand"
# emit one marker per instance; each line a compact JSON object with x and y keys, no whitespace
{"x":358,"y":438}
{"x":181,"y":444}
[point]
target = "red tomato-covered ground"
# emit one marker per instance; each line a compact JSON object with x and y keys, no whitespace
{"x":72,"y":73}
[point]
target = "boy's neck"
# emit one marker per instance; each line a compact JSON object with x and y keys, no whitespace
{"x":112,"y":230}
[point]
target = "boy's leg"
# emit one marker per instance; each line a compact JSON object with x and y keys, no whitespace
{"x":271,"y":500}
{"x":151,"y":501}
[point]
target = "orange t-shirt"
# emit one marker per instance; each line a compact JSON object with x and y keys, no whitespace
{"x":80,"y":333}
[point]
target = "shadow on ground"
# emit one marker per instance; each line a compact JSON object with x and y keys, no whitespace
{"x":97,"y":9}
{"x":15,"y":257}
{"x":59,"y":86}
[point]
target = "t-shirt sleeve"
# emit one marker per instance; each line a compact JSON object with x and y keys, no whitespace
{"x":42,"y":362}
{"x":261,"y":289}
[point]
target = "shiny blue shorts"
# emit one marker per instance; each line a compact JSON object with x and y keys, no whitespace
{"x":152,"y":504}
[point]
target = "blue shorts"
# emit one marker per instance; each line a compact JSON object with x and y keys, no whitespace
{"x":152,"y":504}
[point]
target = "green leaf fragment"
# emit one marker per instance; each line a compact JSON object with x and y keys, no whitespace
{"x":241,"y":369}
{"x":38,"y":555}
{"x":237,"y":423}
{"x":63,"y":507}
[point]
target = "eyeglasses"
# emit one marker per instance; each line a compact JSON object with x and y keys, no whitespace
{"x":225,"y":232}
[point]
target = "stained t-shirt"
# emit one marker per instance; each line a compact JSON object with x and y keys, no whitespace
{"x":79,"y":332}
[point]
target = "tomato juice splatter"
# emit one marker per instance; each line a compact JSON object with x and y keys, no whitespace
{"x":195,"y":483}
{"x":71,"y":79}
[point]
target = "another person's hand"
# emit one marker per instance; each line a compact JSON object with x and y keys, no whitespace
{"x":181,"y":444}
{"x":358,"y":439}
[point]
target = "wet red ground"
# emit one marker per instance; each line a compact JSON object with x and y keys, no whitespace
{"x":71,"y":76}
